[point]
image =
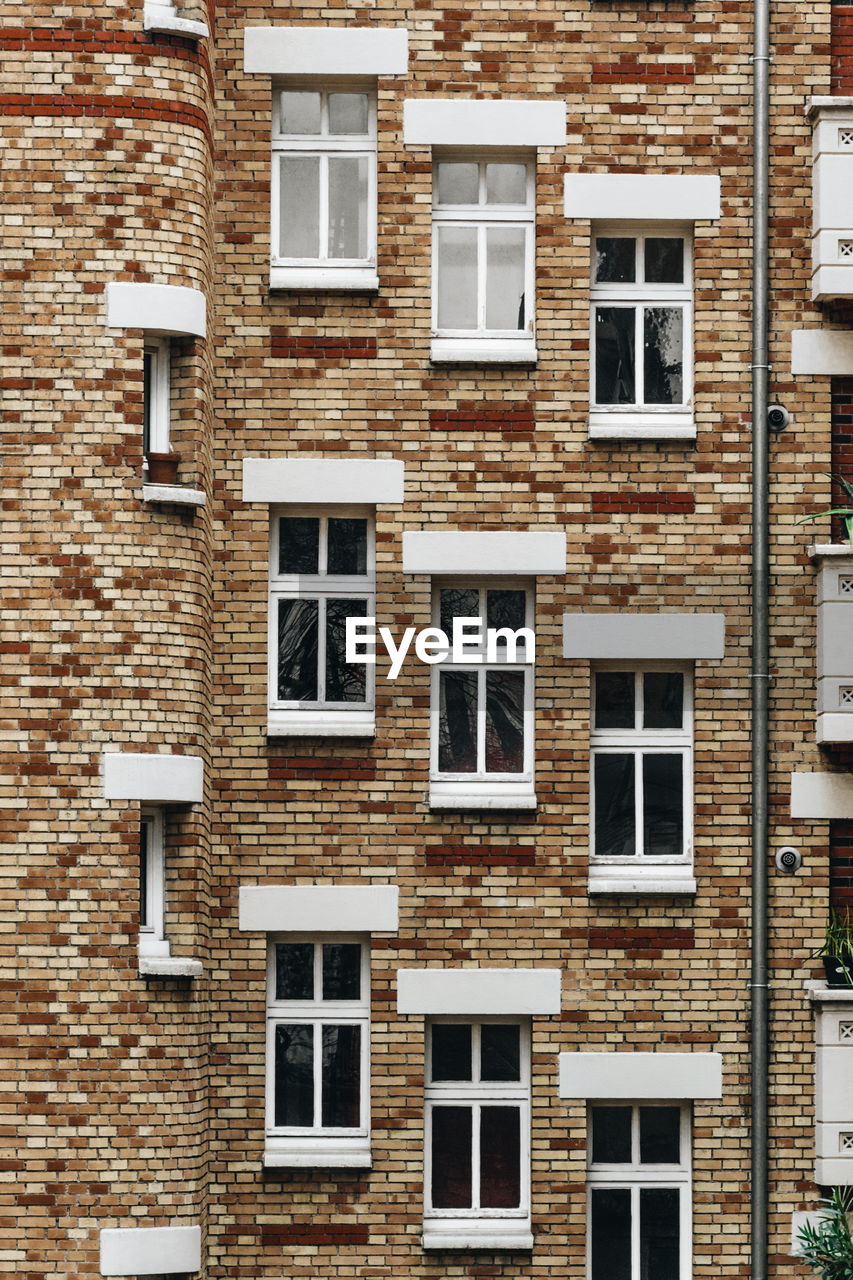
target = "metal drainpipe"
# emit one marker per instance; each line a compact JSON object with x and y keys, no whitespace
{"x":760,"y":639}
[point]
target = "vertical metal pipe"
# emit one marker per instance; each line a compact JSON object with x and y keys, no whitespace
{"x":760,"y":637}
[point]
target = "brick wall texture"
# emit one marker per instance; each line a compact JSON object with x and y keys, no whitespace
{"x":136,"y":627}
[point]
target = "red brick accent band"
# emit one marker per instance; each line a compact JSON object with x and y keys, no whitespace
{"x":641,"y":943}
{"x":322,"y":1233}
{"x":320,"y":768}
{"x":285,"y":345}
{"x":507,"y":417}
{"x":668,"y":502}
{"x":841,"y":48}
{"x":73,"y":43}
{"x":106,"y":106}
{"x":459,"y":855}
{"x":841,"y":865}
{"x":629,"y":71}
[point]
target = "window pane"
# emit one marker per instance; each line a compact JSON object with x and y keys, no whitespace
{"x":506,"y":609}
{"x":663,"y":700}
{"x":451,"y":1157}
{"x":500,"y":1157}
{"x":663,"y":343}
{"x":294,"y":971}
{"x":659,"y":1233}
{"x":299,"y":207}
{"x":505,"y":721}
{"x":341,"y":970}
{"x":500,"y":1051}
{"x":611,"y":1135}
{"x":506,"y":184}
{"x":347,"y":552}
{"x":457,"y":278}
{"x":348,"y":206}
{"x":300,"y":112}
{"x":451,"y":1051}
{"x":615,"y":260}
{"x":614,"y":804}
{"x":298,"y":544}
{"x":457,"y":603}
{"x":294,"y":1074}
{"x":614,"y":700}
{"x":505,"y":304}
{"x":458,"y":184}
{"x":660,"y":1135}
{"x":348,"y":114}
{"x":148,"y":359}
{"x":664,"y":260}
{"x":457,"y":728}
{"x":345,"y":682}
{"x":614,"y":355}
{"x":144,"y":834}
{"x":341,"y":1076}
{"x":663,"y":805}
{"x":610,"y":1234}
{"x":297,"y":650}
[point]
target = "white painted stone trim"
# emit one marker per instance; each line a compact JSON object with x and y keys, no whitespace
{"x":325,"y":279}
{"x":670,"y":1076}
{"x":798,"y":1220}
{"x":822,"y":795}
{"x":153,"y":778}
{"x":179,"y":495}
{"x":484,"y":553}
{"x":169,"y":967}
{"x":668,"y":197}
{"x":664,"y":881}
{"x":321,"y":724}
{"x":820,"y":352}
{"x":148,"y":1251}
{"x":322,"y":1153}
{"x":326,"y":51}
{"x":818,"y":992}
{"x":491,"y":1234}
{"x":835,"y":727}
{"x":639,"y":636}
{"x":338,"y":481}
{"x":478,"y":992}
{"x":471,"y":122}
{"x":157,"y":308}
{"x":484,"y":796}
{"x":319,"y":908}
{"x":483,"y":351}
{"x":604,"y":425}
{"x":165,"y":18}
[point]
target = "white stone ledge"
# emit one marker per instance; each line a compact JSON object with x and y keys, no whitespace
{"x":169,"y":967}
{"x":644,"y":636}
{"x":325,"y":279}
{"x":444,"y":796}
{"x":818,"y":992}
{"x":664,"y":1076}
{"x":471,"y":122}
{"x":322,"y":1153}
{"x":835,"y":726}
{"x":471,"y":552}
{"x":157,"y":308}
{"x":480,"y":1237}
{"x":339,"y":481}
{"x":326,"y":51}
{"x":321,"y":724}
{"x":611,"y":882}
{"x":163,"y":18}
{"x":823,"y":103}
{"x":832,"y":549}
{"x":822,"y":795}
{"x":483,"y":351}
{"x":319,"y":908}
{"x":155,"y":778}
{"x":621,"y":426}
{"x":148,"y":1251}
{"x":822,"y":352}
{"x":663,"y":197}
{"x":179,"y":495}
{"x":479,"y":992}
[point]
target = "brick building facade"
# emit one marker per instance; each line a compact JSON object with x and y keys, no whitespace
{"x":438,"y":312}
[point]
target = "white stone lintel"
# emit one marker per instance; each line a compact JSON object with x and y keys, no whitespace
{"x":319,"y":908}
{"x":638,"y":636}
{"x":326,"y":51}
{"x":670,"y":1076}
{"x":478,"y":992}
{"x":165,"y":18}
{"x":664,"y":197}
{"x":157,"y":308}
{"x":456,"y":552}
{"x":822,"y":352}
{"x":336,"y":481}
{"x":822,"y":795}
{"x":475,"y":122}
{"x":148,"y":1251}
{"x":152,"y":777}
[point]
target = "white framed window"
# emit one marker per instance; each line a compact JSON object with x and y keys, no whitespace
{"x":155,"y":396}
{"x":639,"y":1192}
{"x":477,"y":1133}
{"x":318,"y":1050}
{"x":321,"y":573}
{"x":641,"y":343}
{"x":484,"y":256}
{"x":324,"y":184}
{"x":152,"y":884}
{"x":641,"y":773}
{"x":482,"y":709}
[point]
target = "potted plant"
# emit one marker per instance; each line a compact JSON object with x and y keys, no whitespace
{"x":162,"y":468}
{"x":837,"y":949}
{"x":846,"y":513}
{"x":827,"y":1245}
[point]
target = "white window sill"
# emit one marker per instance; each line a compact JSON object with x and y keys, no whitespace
{"x":333,"y":279}
{"x":642,"y":425}
{"x":317,"y":1153}
{"x":483,"y":351}
{"x":179,"y":495}
{"x":169,"y":967}
{"x":482,"y":795}
{"x":657,"y":879}
{"x":321,"y":724}
{"x":162,"y":17}
{"x":482,"y":1233}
